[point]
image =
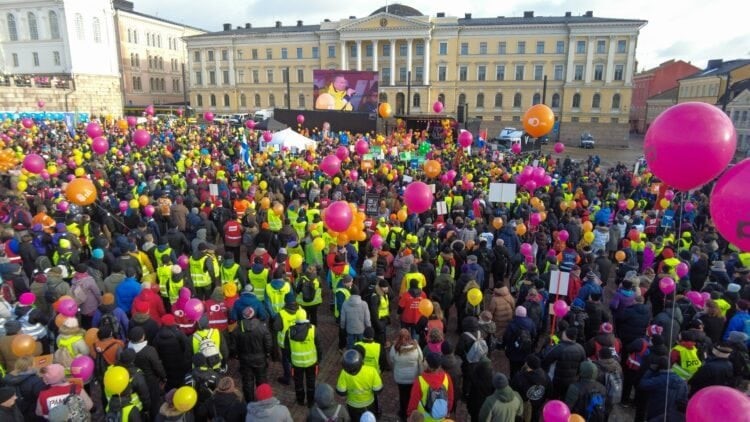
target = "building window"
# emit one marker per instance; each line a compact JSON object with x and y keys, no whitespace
{"x":331,"y":51}
{"x":521,"y":47}
{"x":581,"y":47}
{"x":420,"y":48}
{"x":416,"y":101}
{"x":519,"y":72}
{"x":536,"y":99}
{"x":301,"y":101}
{"x":500,"y":73}
{"x":574,"y":119}
{"x":443,"y":49}
{"x":517,"y":100}
{"x":596,"y":101}
{"x":197,"y":56}
{"x":300,"y":75}
{"x":555,"y":100}
{"x":516,"y":118}
{"x":386,"y":75}
{"x":464,"y":48}
{"x":598,"y":72}
{"x":198,"y":78}
{"x":35,"y":58}
{"x":616,"y":102}
{"x":158,"y":40}
{"x":213,"y":100}
{"x":577,"y":101}
{"x":501,"y":48}
{"x":619,"y":70}
{"x":498,"y":100}
{"x":256,"y":77}
{"x":199,"y":100}
{"x":461,"y":99}
{"x":240,"y":76}
{"x":578,"y":76}
{"x":137,"y":60}
{"x":15,"y":59}
{"x":224,"y":55}
{"x":243,"y":100}
{"x":621,"y":46}
{"x":257,"y":100}
{"x":33,"y":29}
{"x":615,"y":120}
{"x":212,"y":77}
{"x":558,"y":72}
{"x":540,"y":47}
{"x":418,"y":74}
{"x":402,"y":50}
{"x":368,"y":50}
{"x":481,"y":73}
{"x":269,"y":76}
{"x":135,"y":83}
{"x":560,"y":47}
{"x":210,"y":55}
{"x":538,"y":72}
{"x":226,"y":100}
{"x":594,"y":120}
{"x":442,"y":70}
{"x":135,"y":36}
{"x":225,"y":77}
{"x":441,"y":99}
{"x":56,"y":58}
{"x":54,"y":26}
{"x":387,"y":50}
{"x":383,"y":97}
{"x":80,"y":34}
{"x":269,"y":54}
{"x":483,"y":48}
{"x":480,"y":100}
{"x":462,"y":72}
{"x":299,"y":52}
{"x":97,"y":28}
{"x":284,"y":76}
{"x":254,"y":53}
{"x":601,"y":46}
{"x":271,"y":100}
{"x":402,"y":74}
{"x":353,"y":51}
{"x":315,"y":53}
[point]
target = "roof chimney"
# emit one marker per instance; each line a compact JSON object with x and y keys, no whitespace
{"x":299,"y":23}
{"x":441,"y":14}
{"x":714,"y":63}
{"x":352,"y":17}
{"x":589,"y":14}
{"x":326,"y":20}
{"x":528,"y":14}
{"x":568,"y":14}
{"x":248,"y":25}
{"x":278,"y":24}
{"x":227,"y":26}
{"x":467,"y":15}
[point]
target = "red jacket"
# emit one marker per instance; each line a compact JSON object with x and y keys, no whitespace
{"x":435,"y":379}
{"x":218,"y":314}
{"x":183,"y":323}
{"x":155,"y":304}
{"x":232,"y":233}
{"x":409,"y":305}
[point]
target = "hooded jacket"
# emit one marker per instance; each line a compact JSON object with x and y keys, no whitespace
{"x":435,"y":379}
{"x":631,"y":323}
{"x":29,"y":385}
{"x":252,"y":342}
{"x":579,"y":391}
{"x":126,"y":292}
{"x":118,"y":313}
{"x":269,"y":410}
{"x":504,"y":405}
{"x":654,"y":385}
{"x":501,"y":306}
{"x":325,"y":404}
{"x":175,"y":353}
{"x":567,"y":356}
{"x":298,"y":332}
{"x":355,"y":315}
{"x":245,"y":300}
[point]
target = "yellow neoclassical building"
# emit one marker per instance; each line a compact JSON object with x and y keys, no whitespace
{"x":495,"y":66}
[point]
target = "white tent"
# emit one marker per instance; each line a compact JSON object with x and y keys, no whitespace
{"x":290,"y":139}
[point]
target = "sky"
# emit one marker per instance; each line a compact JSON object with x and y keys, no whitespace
{"x":690,"y":30}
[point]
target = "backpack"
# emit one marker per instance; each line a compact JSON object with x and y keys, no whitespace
{"x":100,"y":363}
{"x":595,"y":410}
{"x":208,"y":348}
{"x":118,"y":415}
{"x":524,"y":342}
{"x":74,"y":406}
{"x":635,"y":360}
{"x":380,"y":265}
{"x":8,"y":292}
{"x":471,"y":310}
{"x":51,"y":295}
{"x":78,"y":291}
{"x":333,"y":418}
{"x":109,"y":319}
{"x":42,"y":263}
{"x":436,"y":396}
{"x":307,"y":290}
{"x":478,"y":348}
{"x":613,"y":384}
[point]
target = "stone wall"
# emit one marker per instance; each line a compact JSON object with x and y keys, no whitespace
{"x":97,"y":95}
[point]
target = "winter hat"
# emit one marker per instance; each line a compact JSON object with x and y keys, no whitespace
{"x":433,"y":360}
{"x":521,"y":312}
{"x":606,"y":328}
{"x":733,"y":288}
{"x":225,"y":385}
{"x":248,"y":312}
{"x":369,"y":333}
{"x":248,"y":288}
{"x":53,"y":374}
{"x":722,"y":350}
{"x":108,"y":299}
{"x":176,"y":269}
{"x":499,"y":381}
{"x":126,"y":356}
{"x":587,"y":369}
{"x":290,"y":298}
{"x":27,"y":299}
{"x":140,"y":307}
{"x":229,"y":290}
{"x":6,"y":393}
{"x":324,"y":395}
{"x":734,"y":336}
{"x":654,"y":329}
{"x":97,"y":254}
{"x":71,"y":323}
{"x":169,"y":397}
{"x":263,"y":392}
{"x":369,"y":417}
{"x":136,"y":334}
{"x":218,"y":294}
{"x":367,"y":265}
{"x":12,"y":327}
{"x":167,"y":320}
{"x":533,"y":362}
{"x":743,"y":305}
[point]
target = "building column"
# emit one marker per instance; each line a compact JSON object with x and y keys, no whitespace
{"x":426,"y":61}
{"x":375,"y":55}
{"x":408,"y":58}
{"x":610,"y":71}
{"x":570,"y":71}
{"x":393,"y":62}
{"x":630,"y":62}
{"x":589,"y":61}
{"x":359,"y":55}
{"x":343,"y":55}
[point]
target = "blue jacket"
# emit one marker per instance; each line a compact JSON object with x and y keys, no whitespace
{"x":589,"y":288}
{"x":125,"y":292}
{"x":118,"y":313}
{"x":510,"y":239}
{"x":654,"y":384}
{"x":245,"y":300}
{"x":739,"y":322}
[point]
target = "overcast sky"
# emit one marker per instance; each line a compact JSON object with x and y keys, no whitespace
{"x":691,"y":30}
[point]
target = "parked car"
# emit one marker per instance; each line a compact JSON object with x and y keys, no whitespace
{"x":505,"y":134}
{"x":587,"y":140}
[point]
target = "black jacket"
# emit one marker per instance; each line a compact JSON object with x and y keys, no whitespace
{"x":298,"y":332}
{"x":29,"y":385}
{"x":138,"y":385}
{"x":251,"y":342}
{"x":632,"y":322}
{"x":11,"y":414}
{"x":175,"y":352}
{"x":714,"y":371}
{"x":147,"y":360}
{"x":226,"y":405}
{"x":533,"y":386}
{"x":566,"y":356}
{"x":598,"y":314}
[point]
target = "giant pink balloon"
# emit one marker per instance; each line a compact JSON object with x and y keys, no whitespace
{"x":377,"y":241}
{"x":559,"y":147}
{"x":560,"y":308}
{"x":535,"y":219}
{"x":526,"y":249}
{"x":141,"y":138}
{"x":300,"y":119}
{"x":330,"y":165}
{"x":465,"y":138}
{"x":418,"y":197}
{"x":208,"y":116}
{"x":100,"y":145}
{"x":267,"y":135}
{"x":93,"y":130}
{"x":338,"y":216}
{"x":194,"y":309}
{"x":149,"y":110}
{"x":250,"y":124}
{"x":342,"y":153}
{"x":555,"y":411}
{"x":33,"y":163}
{"x":563,"y":235}
{"x":437,"y":107}
{"x":67,"y":307}
{"x":516,"y":148}
{"x":132,"y":121}
{"x":730,"y":204}
{"x":718,"y":403}
{"x":27,"y":122}
{"x":681,"y":269}
{"x":362,"y":147}
{"x":689,"y":144}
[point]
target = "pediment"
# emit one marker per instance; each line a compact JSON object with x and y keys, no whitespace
{"x":384,"y":21}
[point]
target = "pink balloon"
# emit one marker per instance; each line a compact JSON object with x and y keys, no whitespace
{"x":353,"y":175}
{"x":27,"y":122}
{"x":376,"y":241}
{"x":82,"y":367}
{"x":63,"y":206}
{"x":331,"y":165}
{"x":689,"y":207}
{"x":67,"y":307}
{"x":141,"y":138}
{"x":451,"y":175}
{"x":666,"y":285}
{"x":622,"y":204}
{"x":123,"y":205}
{"x":563,"y":235}
{"x":40,"y":104}
{"x":250,"y":124}
{"x":547,"y":180}
{"x":437,"y":107}
{"x":93,"y":130}
{"x":465,"y":139}
{"x":444,"y":179}
{"x":526,"y":249}
{"x":556,"y":411}
{"x":669,"y":195}
{"x":729,"y":205}
{"x":530,"y":185}
{"x":689,"y":144}
{"x":560,"y":308}
{"x":267,"y":135}
{"x":538,"y":174}
{"x":706,"y":296}
{"x":193,"y":309}
{"x":342,"y":153}
{"x":338,"y":216}
{"x":362,"y":147}
{"x":183,"y":261}
{"x":33,"y":163}
{"x":149,"y":110}
{"x":208,"y":116}
{"x":709,"y":402}
{"x":148,"y":210}
{"x":100,"y":145}
{"x":695,"y":298}
{"x":418,"y":197}
{"x":132,"y":121}
{"x":516,"y":148}
{"x":535,"y":219}
{"x":180,"y":111}
{"x":681,"y":269}
{"x":559,"y":147}
{"x":300,"y":119}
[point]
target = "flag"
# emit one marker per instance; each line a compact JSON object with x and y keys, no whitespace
{"x":246,"y":152}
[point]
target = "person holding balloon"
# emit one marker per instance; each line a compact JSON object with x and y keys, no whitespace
{"x":58,"y":388}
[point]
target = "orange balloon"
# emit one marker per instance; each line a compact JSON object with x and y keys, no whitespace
{"x":620,"y":256}
{"x":59,"y":320}
{"x":143,"y":200}
{"x":81,"y":191}
{"x":385,"y":111}
{"x":91,"y":337}
{"x":342,"y":239}
{"x":426,"y":307}
{"x":23,"y":345}
{"x":534,"y":201}
{"x":402,"y":215}
{"x":432,"y":168}
{"x":563,"y":206}
{"x":587,"y":226}
{"x":278,"y":209}
{"x":576,"y":418}
{"x":361,"y":236}
{"x":538,"y":120}
{"x":265,"y":203}
{"x":122,"y":124}
{"x":521,"y":229}
{"x":497,"y":223}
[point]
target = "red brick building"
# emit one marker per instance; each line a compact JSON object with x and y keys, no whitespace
{"x":653,"y":82}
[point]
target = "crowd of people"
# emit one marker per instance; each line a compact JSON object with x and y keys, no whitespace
{"x":205,"y":260}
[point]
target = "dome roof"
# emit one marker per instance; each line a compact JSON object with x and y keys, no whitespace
{"x":398,"y":10}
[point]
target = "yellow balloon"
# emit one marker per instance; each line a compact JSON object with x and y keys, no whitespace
{"x":664,"y":203}
{"x":588,"y":237}
{"x":319,"y":244}
{"x":79,"y":172}
{"x":23,"y":178}
{"x":295,"y":261}
{"x":474,"y":296}
{"x":631,"y":204}
{"x":52,"y":169}
{"x":134,"y":204}
{"x":184,"y":398}
{"x":336,"y":181}
{"x":78,"y":160}
{"x":22,"y":186}
{"x":116,"y":379}
{"x":263,"y":185}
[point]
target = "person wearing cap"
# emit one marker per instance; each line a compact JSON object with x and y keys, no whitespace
{"x":605,"y":339}
{"x":354,"y":317}
{"x":258,"y":276}
{"x":232,"y":234}
{"x":716,"y":370}
{"x":248,"y":299}
{"x":216,"y":310}
{"x":373,"y":350}
{"x":127,"y":290}
{"x":358,"y":383}
{"x":162,"y":250}
{"x":26,"y":383}
{"x":567,"y":355}
{"x":339,"y":269}
{"x":413,"y":274}
{"x":174,"y":350}
{"x":309,"y":293}
{"x":266,"y":407}
{"x":65,"y":255}
{"x":631,"y":322}
{"x":204,"y":333}
{"x":231,"y":272}
{"x":142,"y":318}
{"x":105,"y":350}
{"x":302,"y":346}
{"x":70,"y":342}
{"x":114,"y":278}
{"x":657,"y":396}
{"x":408,"y":307}
{"x":164,"y":278}
{"x":432,"y":378}
{"x":534,"y":385}
{"x":117,"y":320}
{"x":204,"y":270}
{"x":252,"y":344}
{"x":58,"y":389}
{"x":740,"y":320}
{"x":203,"y":379}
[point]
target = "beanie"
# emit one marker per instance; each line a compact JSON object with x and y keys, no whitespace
{"x":263,"y":392}
{"x":168,"y":320}
{"x":140,"y":307}
{"x":499,"y":381}
{"x":521,"y":312}
{"x":108,"y":299}
{"x":97,"y":254}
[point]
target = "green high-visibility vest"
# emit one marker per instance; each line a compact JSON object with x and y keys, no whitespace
{"x":303,"y":353}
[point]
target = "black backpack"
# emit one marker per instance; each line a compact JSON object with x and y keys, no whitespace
{"x":380,"y":265}
{"x":308,"y":290}
{"x":524,"y":342}
{"x":109,"y":319}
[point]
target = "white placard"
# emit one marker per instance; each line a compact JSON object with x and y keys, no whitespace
{"x":432,"y":188}
{"x":213,"y":189}
{"x":502,"y":192}
{"x":558,"y":282}
{"x":535,"y":163}
{"x":442,"y":208}
{"x":407,"y":179}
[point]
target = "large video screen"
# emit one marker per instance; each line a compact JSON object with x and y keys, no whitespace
{"x":345,"y":90}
